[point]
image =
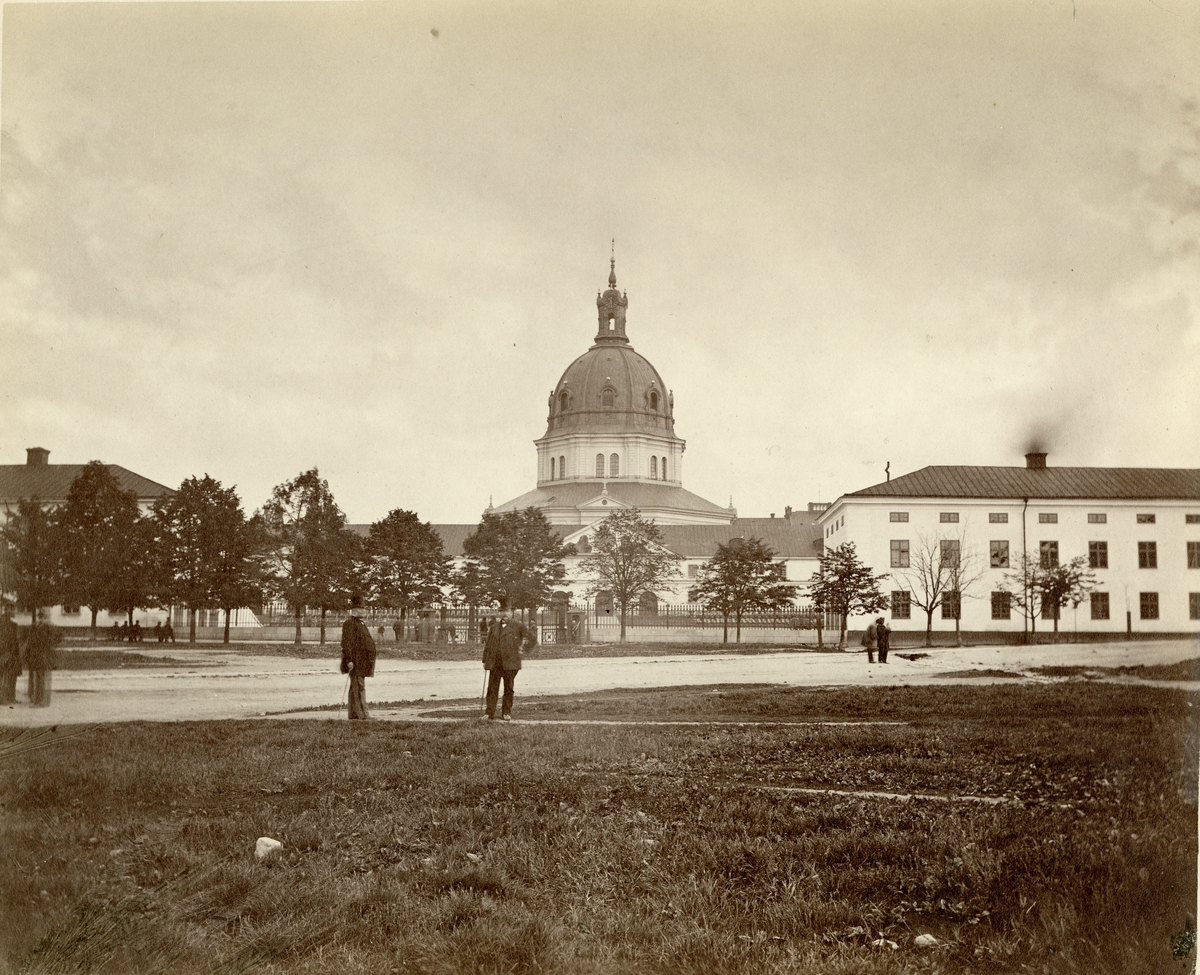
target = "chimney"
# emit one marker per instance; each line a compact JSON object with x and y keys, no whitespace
{"x":36,"y":457}
{"x":787,"y":512}
{"x":1036,"y":461}
{"x":772,"y":514}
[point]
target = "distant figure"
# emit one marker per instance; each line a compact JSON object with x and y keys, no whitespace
{"x":358,"y":658}
{"x":158,"y":631}
{"x":39,"y":657}
{"x":125,"y":632}
{"x":168,"y":632}
{"x":870,"y":641}
{"x":502,"y":660}
{"x":453,"y":633}
{"x":884,"y":636}
{"x":135,"y":635}
{"x":485,"y":626}
{"x":10,"y":658}
{"x":115,"y":632}
{"x":398,"y":629}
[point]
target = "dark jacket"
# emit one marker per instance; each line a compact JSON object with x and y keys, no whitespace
{"x":870,"y":639}
{"x":10,"y":647}
{"x":504,"y":644}
{"x":39,"y":647}
{"x":357,"y":648}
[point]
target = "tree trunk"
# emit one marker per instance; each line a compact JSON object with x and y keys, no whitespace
{"x":191,"y":625}
{"x":1054,"y":639}
{"x":820,"y":631}
{"x":957,"y":631}
{"x":403,"y":624}
{"x":298,"y":641}
{"x":323,"y":611}
{"x":841,"y":631}
{"x":227,"y":612}
{"x":622,"y":621}
{"x":725,"y":631}
{"x":95,"y":613}
{"x":738,"y":621}
{"x":929,"y":627}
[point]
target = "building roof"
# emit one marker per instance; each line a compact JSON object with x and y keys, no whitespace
{"x":634,"y":494}
{"x":787,"y":538}
{"x":1090,"y":483}
{"x":51,"y":482}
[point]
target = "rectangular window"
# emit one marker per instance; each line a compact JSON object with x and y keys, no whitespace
{"x":1097,"y":518}
{"x":951,"y":605}
{"x":1193,"y":555}
{"x":999,"y":554}
{"x":901,"y":605}
{"x":898,"y":516}
{"x":693,"y":572}
{"x":1147,"y":555}
{"x":899,"y":553}
{"x":70,"y":610}
{"x":948,"y":517}
{"x":1099,"y":605}
{"x":997,"y":517}
{"x":1192,"y":519}
{"x":1145,"y":519}
{"x":1097,"y":555}
{"x":951,"y":550}
{"x":1049,"y":610}
{"x":1001,"y":605}
{"x":1048,"y":555}
{"x":1149,"y":605}
{"x":1194,"y":605}
{"x":1048,"y":518}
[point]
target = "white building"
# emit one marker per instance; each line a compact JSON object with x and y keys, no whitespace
{"x":1139,"y":528}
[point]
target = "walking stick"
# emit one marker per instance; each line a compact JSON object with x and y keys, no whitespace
{"x":483,"y":694}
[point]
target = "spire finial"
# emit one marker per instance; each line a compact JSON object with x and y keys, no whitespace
{"x":612,"y":265}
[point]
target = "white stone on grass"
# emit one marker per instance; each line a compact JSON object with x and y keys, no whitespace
{"x":266,"y":846}
{"x":926,"y":941}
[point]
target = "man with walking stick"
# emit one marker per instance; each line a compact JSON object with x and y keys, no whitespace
{"x":358,"y":657}
{"x":502,"y":659}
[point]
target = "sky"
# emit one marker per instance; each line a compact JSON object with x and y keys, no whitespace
{"x":247,"y":239}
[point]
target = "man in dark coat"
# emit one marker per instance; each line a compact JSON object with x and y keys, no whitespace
{"x":358,"y":657}
{"x":883,"y":636}
{"x":870,"y":641}
{"x":10,"y":658}
{"x":39,"y":656}
{"x":502,"y":659}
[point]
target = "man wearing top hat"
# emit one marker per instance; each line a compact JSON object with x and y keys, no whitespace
{"x":502,"y":659}
{"x":358,"y":657}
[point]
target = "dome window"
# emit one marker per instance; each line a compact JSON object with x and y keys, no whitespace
{"x":654,"y":400}
{"x":608,"y":398}
{"x":654,"y":468}
{"x":599,"y":465}
{"x":614,"y":466}
{"x":562,"y":467}
{"x":562,"y":402}
{"x":664,"y":468}
{"x":552,"y":468}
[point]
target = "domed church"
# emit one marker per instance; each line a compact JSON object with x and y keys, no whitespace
{"x":610,"y":437}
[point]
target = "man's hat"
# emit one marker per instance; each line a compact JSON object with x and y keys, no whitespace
{"x":356,"y":601}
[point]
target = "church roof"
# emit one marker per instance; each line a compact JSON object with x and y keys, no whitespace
{"x":50,"y":483}
{"x":1058,"y":483}
{"x":633,"y":494}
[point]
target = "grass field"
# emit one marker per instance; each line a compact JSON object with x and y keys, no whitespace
{"x":1062,"y":837}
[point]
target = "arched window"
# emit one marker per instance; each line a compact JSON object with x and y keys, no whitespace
{"x":583,"y":544}
{"x":607,"y":398}
{"x":648,"y":604}
{"x":664,"y":468}
{"x":552,"y":468}
{"x":562,"y":401}
{"x":562,"y":467}
{"x":654,"y":468}
{"x":614,"y":466}
{"x":599,"y":465}
{"x":653,"y":400}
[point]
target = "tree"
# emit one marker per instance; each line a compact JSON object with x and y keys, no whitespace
{"x":95,"y":525}
{"x":514,"y":558}
{"x":843,"y":585}
{"x":940,"y":571}
{"x":1063,"y":585}
{"x":742,"y":577}
{"x":309,"y":553}
{"x":1020,"y":584}
{"x":197,"y":529}
{"x":629,"y":560}
{"x":406,"y":565}
{"x":138,"y":581}
{"x":30,"y":555}
{"x":237,"y":575}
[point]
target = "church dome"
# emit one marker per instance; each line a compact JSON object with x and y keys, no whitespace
{"x":611,"y":388}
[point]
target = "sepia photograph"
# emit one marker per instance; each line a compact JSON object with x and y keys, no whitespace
{"x":530,"y":487}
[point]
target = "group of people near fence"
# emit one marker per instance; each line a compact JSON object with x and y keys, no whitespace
{"x":504,"y":640}
{"x":28,"y":648}
{"x":136,"y":633}
{"x":877,"y":636}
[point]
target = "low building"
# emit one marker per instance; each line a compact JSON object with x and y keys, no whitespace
{"x":1139,"y":529}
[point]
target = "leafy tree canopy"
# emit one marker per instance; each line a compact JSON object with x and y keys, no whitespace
{"x":515,"y":558}
{"x":407,"y":567}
